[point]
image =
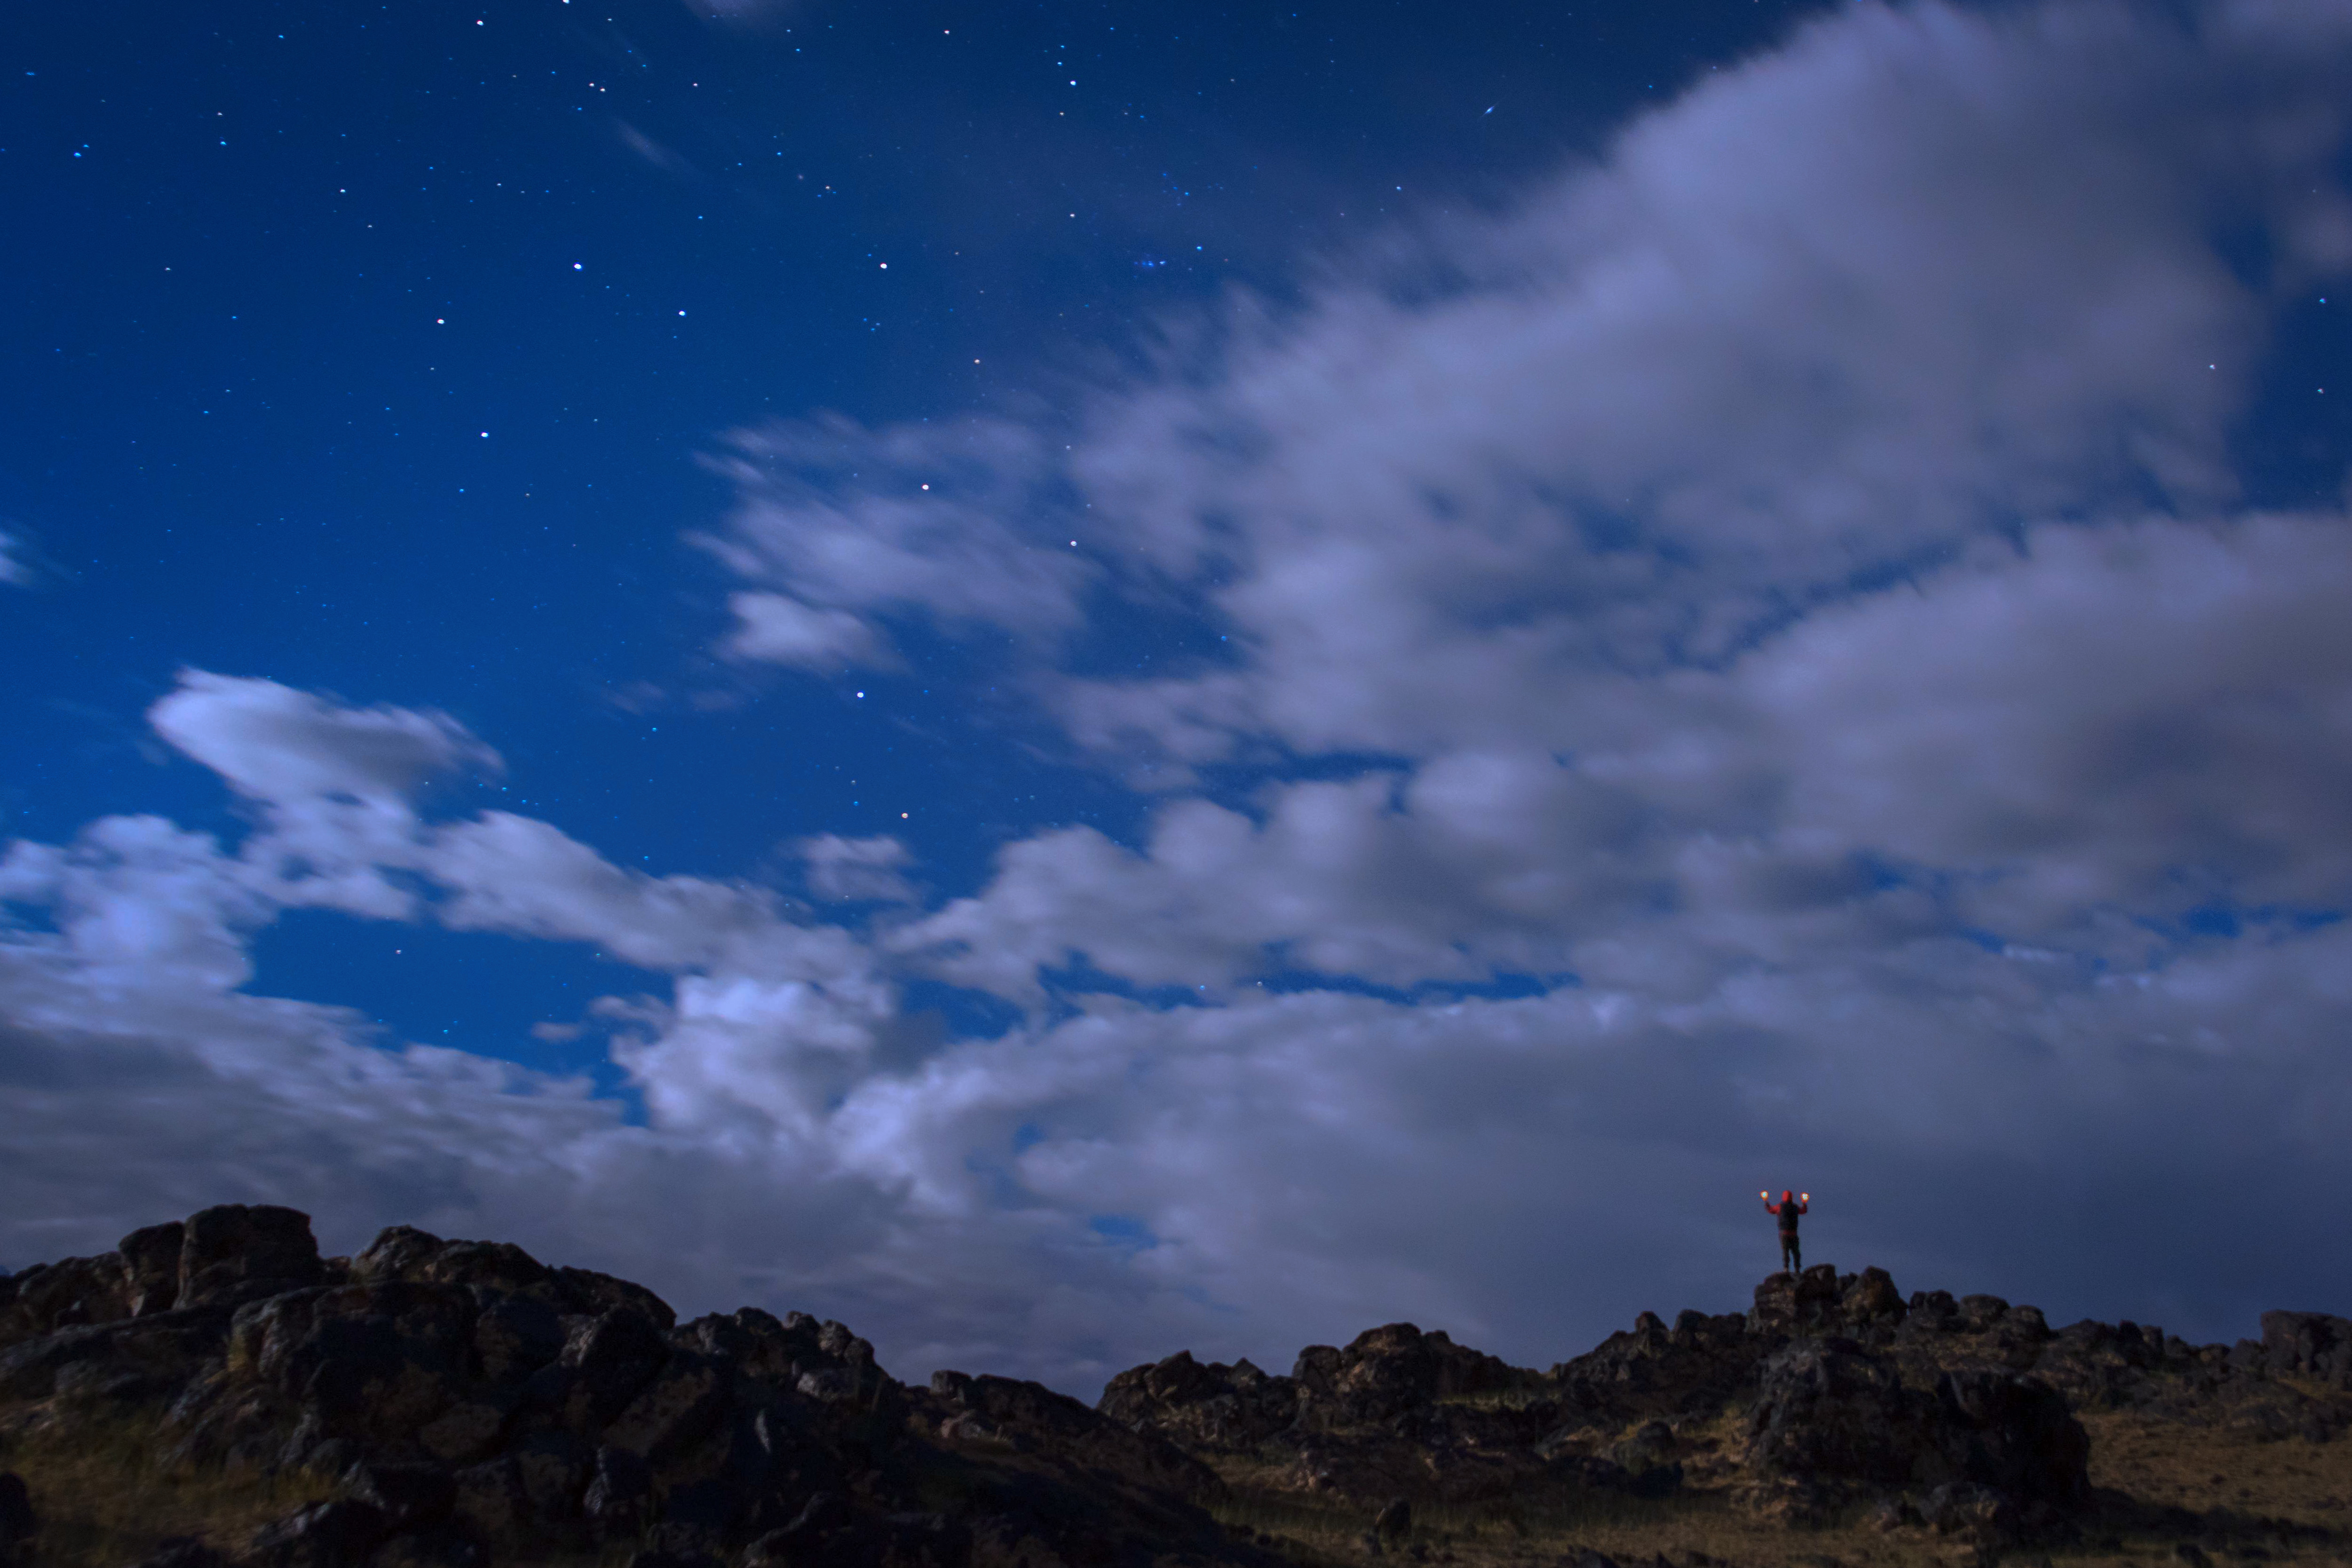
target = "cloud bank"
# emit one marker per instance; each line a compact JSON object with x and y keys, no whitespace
{"x":1750,"y":668}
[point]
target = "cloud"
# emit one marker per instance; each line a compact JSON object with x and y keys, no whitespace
{"x":961,"y":529}
{"x":273,"y":744}
{"x":1826,"y":321}
{"x":660,"y":155}
{"x":775,"y":628}
{"x":13,"y":566}
{"x":857,"y":869}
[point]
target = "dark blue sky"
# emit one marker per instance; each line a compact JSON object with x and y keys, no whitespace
{"x":1120,"y":642}
{"x":371,"y":349}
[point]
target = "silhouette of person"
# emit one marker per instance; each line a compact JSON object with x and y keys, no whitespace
{"x":1791,"y":1204}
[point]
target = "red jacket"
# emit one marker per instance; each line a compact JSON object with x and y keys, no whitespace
{"x":1788,"y":1212}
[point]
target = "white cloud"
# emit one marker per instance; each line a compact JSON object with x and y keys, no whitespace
{"x":775,"y":628}
{"x":273,"y":744}
{"x":13,"y":567}
{"x":857,"y":869}
{"x":957,"y":527}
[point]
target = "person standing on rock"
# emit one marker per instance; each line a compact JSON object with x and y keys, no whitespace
{"x":1790,"y":1205}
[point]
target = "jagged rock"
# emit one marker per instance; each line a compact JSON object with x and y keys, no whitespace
{"x":469,"y":1403}
{"x":555,"y":1469}
{"x":410,"y":1496}
{"x":1828,"y":1414}
{"x":1831,"y":1422}
{"x":1030,"y":1415}
{"x":163,"y":1351}
{"x":605,"y":1362}
{"x":1386,"y":1371}
{"x":684,"y":1403}
{"x":2316,"y":1345}
{"x":2014,"y":1434}
{"x":70,"y":1293}
{"x":1701,"y":1364}
{"x":1821,"y":1301}
{"x":514,"y":1336}
{"x":620,"y":1493}
{"x":1212,"y":1406}
{"x":379,"y":1360}
{"x":463,"y":1433}
{"x":406,"y":1254}
{"x":237,"y":1253}
{"x":151,"y":1267}
{"x":491,"y":1501}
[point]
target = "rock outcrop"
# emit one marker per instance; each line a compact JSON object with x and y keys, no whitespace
{"x":437,"y":1404}
{"x":461,"y":1403}
{"x":1832,"y":1396}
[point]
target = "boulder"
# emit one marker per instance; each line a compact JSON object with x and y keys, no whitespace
{"x":620,"y":1492}
{"x":1214,"y":1406}
{"x":1833,"y":1423}
{"x":490,"y":1502}
{"x":687,"y":1401}
{"x":151,"y":1267}
{"x":410,"y":1496}
{"x":515,"y":1335}
{"x":605,"y":1362}
{"x":1386,"y":1371}
{"x":503,"y":1270}
{"x":554,"y":1469}
{"x":2316,"y":1345}
{"x":237,"y":1253}
{"x":382,"y":1360}
{"x":1034,"y":1418}
{"x":1828,"y":1415}
{"x":2014,"y":1434}
{"x":71,"y":1293}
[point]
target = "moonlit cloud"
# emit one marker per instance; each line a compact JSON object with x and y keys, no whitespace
{"x":1748,"y":666}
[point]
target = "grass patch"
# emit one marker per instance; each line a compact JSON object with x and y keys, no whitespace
{"x":2171,"y":1464}
{"x":1515,"y":1398}
{"x":104,"y":1498}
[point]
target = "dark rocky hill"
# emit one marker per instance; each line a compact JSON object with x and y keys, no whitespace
{"x":1833,"y":1400}
{"x":215,"y":1392}
{"x":432,"y":1402}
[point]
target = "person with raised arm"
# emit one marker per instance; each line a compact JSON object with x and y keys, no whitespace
{"x":1791,"y":1204}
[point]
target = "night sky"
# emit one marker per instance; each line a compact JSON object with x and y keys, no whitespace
{"x":1071,"y":681}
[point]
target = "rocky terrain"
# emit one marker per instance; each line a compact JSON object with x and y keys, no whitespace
{"x":215,"y":1392}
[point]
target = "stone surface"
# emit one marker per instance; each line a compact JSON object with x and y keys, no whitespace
{"x":464,"y":1404}
{"x":1213,"y":1406}
{"x":237,"y":1253}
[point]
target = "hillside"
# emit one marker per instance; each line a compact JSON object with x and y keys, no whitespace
{"x":215,"y":1392}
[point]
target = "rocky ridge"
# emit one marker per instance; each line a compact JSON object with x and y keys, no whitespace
{"x":1833,"y":1396}
{"x":460,"y":1403}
